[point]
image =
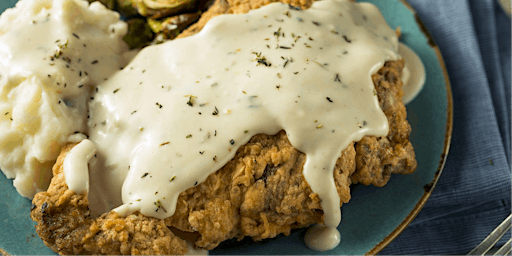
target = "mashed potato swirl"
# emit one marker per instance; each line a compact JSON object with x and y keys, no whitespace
{"x":52,"y":54}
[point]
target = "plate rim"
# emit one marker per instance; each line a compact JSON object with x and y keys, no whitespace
{"x":447,"y":139}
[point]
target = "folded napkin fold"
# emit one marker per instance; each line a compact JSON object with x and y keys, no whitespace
{"x":474,"y":193}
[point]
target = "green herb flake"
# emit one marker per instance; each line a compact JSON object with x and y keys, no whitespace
{"x":286,"y":61}
{"x":293,"y":7}
{"x":159,"y":205}
{"x":277,"y":33}
{"x":337,"y":78}
{"x":59,"y":51}
{"x":190,"y":101}
{"x":261,"y":60}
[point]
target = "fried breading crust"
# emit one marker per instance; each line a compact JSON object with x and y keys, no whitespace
{"x":378,"y":158}
{"x":65,"y":224}
{"x":260,"y":193}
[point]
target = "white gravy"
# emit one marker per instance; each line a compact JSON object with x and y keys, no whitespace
{"x":193,"y":251}
{"x":321,"y":238}
{"x":413,"y":74}
{"x":76,"y":169}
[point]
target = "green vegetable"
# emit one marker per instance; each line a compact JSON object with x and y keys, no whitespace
{"x":139,"y":33}
{"x":126,"y":8}
{"x":171,"y":27}
{"x":157,"y":9}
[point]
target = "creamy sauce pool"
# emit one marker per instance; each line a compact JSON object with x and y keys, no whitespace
{"x":321,"y":238}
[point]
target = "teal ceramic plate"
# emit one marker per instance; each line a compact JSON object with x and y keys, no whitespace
{"x":373,"y":217}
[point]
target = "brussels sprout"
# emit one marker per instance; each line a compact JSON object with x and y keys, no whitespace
{"x":126,"y":8}
{"x":111,"y":4}
{"x":172,"y":26}
{"x":157,"y":9}
{"x":155,"y":25}
{"x":203,"y":5}
{"x":139,"y":33}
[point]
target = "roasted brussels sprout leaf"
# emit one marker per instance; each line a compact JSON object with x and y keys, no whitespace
{"x":125,"y":7}
{"x":139,"y":33}
{"x":203,"y":5}
{"x":157,"y":9}
{"x":171,"y":27}
{"x":165,"y":18}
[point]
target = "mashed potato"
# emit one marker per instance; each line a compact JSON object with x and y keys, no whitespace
{"x":52,"y":54}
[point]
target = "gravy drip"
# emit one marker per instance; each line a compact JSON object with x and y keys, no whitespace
{"x":321,"y":238}
{"x":413,"y":74}
{"x":180,"y":110}
{"x":76,"y":169}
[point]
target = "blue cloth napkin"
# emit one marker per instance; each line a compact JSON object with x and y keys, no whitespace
{"x":474,"y":192}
